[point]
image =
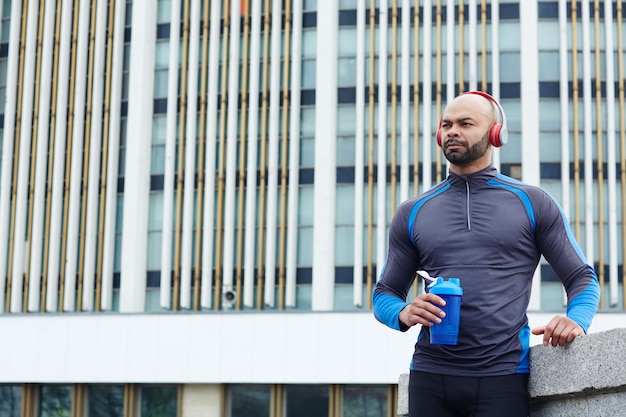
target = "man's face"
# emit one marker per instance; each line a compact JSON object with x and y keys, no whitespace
{"x":465,"y":130}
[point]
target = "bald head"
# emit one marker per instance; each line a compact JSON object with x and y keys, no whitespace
{"x":477,"y":104}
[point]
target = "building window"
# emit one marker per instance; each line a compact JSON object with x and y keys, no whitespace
{"x":56,"y":401}
{"x":364,"y":401}
{"x":106,"y":400}
{"x":307,"y":400}
{"x":159,"y":400}
{"x":250,"y":400}
{"x":10,"y":400}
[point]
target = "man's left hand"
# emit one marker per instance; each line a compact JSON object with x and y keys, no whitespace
{"x":559,"y":331}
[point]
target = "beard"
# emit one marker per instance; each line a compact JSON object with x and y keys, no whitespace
{"x":458,"y":157}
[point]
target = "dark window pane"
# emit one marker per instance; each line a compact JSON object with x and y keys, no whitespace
{"x":250,"y":400}
{"x":10,"y":400}
{"x":158,"y":401}
{"x":364,"y":401}
{"x":106,"y":401}
{"x":56,"y":401}
{"x":307,"y":400}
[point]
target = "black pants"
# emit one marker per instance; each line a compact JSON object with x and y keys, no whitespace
{"x":460,"y":396}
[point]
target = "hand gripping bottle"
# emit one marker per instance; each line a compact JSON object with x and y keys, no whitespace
{"x":447,"y":332}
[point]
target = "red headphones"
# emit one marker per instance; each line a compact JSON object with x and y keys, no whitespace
{"x":498,"y":133}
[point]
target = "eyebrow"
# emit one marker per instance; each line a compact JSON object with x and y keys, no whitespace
{"x":460,"y":119}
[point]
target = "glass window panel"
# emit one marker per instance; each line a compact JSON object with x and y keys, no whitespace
{"x":345,"y":151}
{"x":307,"y":152}
{"x":155,"y":221}
{"x":346,"y":120}
{"x":512,"y":152}
{"x":307,"y":122}
{"x":162,"y":55}
{"x":250,"y":400}
{"x":118,"y":253}
{"x":345,"y":205}
{"x":307,"y":400}
{"x":549,"y":30}
{"x":106,"y":400}
{"x":129,"y":13}
{"x":159,"y":130}
{"x":309,"y":44}
{"x":154,"y":251}
{"x":346,"y":76}
{"x":309,"y":5}
{"x":549,"y":115}
{"x":305,"y":246}
{"x":55,"y":401}
{"x":3,"y":94}
{"x":549,"y":71}
{"x":348,"y":4}
{"x":509,"y":36}
{"x":3,"y":72}
{"x":347,"y":41}
{"x":157,"y":160}
{"x":164,"y":11}
{"x":126,"y":65}
{"x":364,"y":401}
{"x":6,"y":30}
{"x":344,"y":252}
{"x":10,"y":400}
{"x":309,"y":70}
{"x":305,"y":206}
{"x":158,"y":401}
{"x":550,"y":146}
{"x":160,"y":83}
{"x":510,"y":67}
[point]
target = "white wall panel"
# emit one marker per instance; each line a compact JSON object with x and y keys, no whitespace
{"x":342,"y":348}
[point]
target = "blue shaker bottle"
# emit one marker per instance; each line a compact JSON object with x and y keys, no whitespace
{"x":447,"y":332}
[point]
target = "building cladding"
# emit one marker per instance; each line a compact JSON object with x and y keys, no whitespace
{"x":195,"y":195}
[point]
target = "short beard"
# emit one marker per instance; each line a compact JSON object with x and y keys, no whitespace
{"x":477,"y":151}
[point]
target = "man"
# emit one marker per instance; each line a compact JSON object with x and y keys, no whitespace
{"x":489,"y":231}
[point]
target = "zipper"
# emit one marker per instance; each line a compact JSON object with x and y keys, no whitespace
{"x":467,"y":204}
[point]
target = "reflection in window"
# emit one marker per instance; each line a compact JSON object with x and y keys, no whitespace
{"x":250,"y":400}
{"x":106,"y":401}
{"x":56,"y":401}
{"x":364,"y":401}
{"x":307,"y":400}
{"x":10,"y":400}
{"x":158,"y":401}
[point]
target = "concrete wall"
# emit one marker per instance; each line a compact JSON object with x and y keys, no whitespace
{"x":586,"y":378}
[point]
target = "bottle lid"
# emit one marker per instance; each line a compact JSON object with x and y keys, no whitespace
{"x":450,"y":287}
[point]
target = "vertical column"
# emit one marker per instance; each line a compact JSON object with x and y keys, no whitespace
{"x":324,"y":193}
{"x":137,"y":174}
{"x":110,"y":209}
{"x":529,"y":56}
{"x":588,"y":135}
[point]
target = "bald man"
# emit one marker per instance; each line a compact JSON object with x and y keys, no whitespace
{"x":489,"y":231}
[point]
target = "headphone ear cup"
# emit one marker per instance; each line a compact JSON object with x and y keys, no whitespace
{"x":495,"y":135}
{"x":439,"y":139}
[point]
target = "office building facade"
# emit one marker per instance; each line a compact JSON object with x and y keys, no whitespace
{"x":195,"y":195}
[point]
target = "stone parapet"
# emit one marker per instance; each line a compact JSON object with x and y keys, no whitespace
{"x":585,"y":378}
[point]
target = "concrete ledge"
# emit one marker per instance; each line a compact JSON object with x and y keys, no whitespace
{"x":586,"y":378}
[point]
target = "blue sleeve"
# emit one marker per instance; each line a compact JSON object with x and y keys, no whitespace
{"x":560,"y":248}
{"x":387,"y":310}
{"x":582,"y":308}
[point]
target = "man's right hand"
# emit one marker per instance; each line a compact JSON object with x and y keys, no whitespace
{"x":423,"y":310}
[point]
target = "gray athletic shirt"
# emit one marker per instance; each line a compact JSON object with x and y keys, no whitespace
{"x":489,"y":231}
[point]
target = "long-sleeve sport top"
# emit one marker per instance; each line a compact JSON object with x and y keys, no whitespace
{"x":490,"y":231}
